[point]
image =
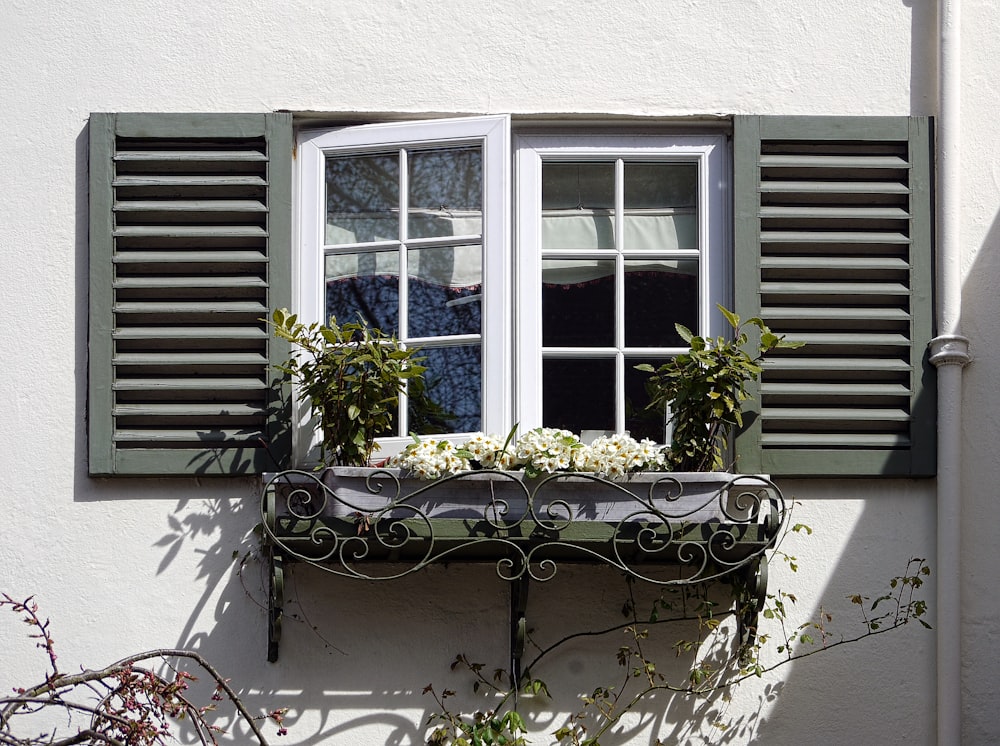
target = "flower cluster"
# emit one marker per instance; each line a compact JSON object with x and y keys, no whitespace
{"x":539,"y":451}
{"x":431,"y":458}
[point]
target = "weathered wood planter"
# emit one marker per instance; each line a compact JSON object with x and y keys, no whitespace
{"x":381,"y":524}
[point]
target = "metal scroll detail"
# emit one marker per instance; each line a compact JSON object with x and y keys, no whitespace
{"x":373,"y":524}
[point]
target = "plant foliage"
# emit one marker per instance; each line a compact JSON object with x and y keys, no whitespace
{"x":705,"y":389}
{"x":353,"y":375}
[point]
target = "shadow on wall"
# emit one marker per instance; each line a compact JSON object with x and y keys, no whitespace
{"x":980,"y":470}
{"x":356,"y":656}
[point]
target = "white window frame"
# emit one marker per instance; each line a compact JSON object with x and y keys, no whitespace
{"x":714,"y":251}
{"x":493,"y":132}
{"x":512,"y":255}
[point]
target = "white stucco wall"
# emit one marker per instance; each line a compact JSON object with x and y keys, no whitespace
{"x":126,"y":564}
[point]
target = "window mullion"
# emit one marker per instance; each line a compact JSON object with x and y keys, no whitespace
{"x":403,"y":424}
{"x":619,"y":295}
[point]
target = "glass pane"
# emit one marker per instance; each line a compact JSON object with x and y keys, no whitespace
{"x":661,"y":206}
{"x":578,"y":303}
{"x":445,"y":291}
{"x":449,"y":398}
{"x":639,"y":421}
{"x":362,"y":198}
{"x":364,"y":287}
{"x":578,"y":201}
{"x":446,"y":192}
{"x":659,"y":294}
{"x":578,"y":394}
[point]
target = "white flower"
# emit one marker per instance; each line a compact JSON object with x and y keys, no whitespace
{"x":542,"y":450}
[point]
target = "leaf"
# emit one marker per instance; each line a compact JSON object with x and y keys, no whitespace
{"x":684,"y":332}
{"x":732,"y":318}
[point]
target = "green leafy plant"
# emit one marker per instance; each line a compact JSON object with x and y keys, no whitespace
{"x":353,"y":374}
{"x":705,"y":389}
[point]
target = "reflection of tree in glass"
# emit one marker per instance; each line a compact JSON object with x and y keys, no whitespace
{"x":453,"y":382}
{"x":356,"y":184}
{"x":443,"y":282}
{"x":446,"y":178}
{"x":372,"y":299}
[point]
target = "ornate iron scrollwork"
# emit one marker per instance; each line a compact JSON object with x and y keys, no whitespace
{"x":374,"y":524}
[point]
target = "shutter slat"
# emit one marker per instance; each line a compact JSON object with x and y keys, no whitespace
{"x":189,"y":332}
{"x":190,"y":248}
{"x":873,"y":314}
{"x":836,"y":440}
{"x":838,"y":213}
{"x":832,"y":237}
{"x":834,"y":263}
{"x":847,"y":390}
{"x":173,"y":180}
{"x":213,"y":281}
{"x":189,"y":384}
{"x":190,"y":156}
{"x":833,"y":187}
{"x":847,"y":414}
{"x":188,"y":410}
{"x":175,"y":359}
{"x":190,"y":231}
{"x":191,"y":205}
{"x":214,"y":436}
{"x":190,"y":257}
{"x":201,"y":308}
{"x":831,"y":364}
{"x":834,"y":288}
{"x":833,"y":161}
{"x":833,"y":249}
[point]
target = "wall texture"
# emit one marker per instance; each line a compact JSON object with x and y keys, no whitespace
{"x":126,"y":564}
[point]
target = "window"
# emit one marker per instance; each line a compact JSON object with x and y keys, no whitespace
{"x":820,"y":225}
{"x":406,"y":227}
{"x":619,"y":238}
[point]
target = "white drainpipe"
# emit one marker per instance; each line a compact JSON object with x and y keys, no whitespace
{"x":950,"y":353}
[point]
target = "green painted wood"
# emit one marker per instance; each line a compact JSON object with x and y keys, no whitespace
{"x":832,"y":237}
{"x":817,"y":265}
{"x":838,"y":213}
{"x":813,"y":263}
{"x":177,"y":359}
{"x":100,"y":396}
{"x":189,"y":384}
{"x":190,"y":332}
{"x":171,"y":249}
{"x":188,"y":156}
{"x":813,"y":289}
{"x":214,"y":281}
{"x":828,"y":187}
{"x":230,"y":256}
{"x":832,"y":162}
{"x":190,"y":231}
{"x":191,"y":205}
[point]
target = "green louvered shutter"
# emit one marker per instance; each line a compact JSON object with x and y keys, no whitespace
{"x":833,"y":237}
{"x":190,"y":226}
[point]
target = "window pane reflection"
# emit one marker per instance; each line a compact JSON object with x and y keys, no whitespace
{"x":446,"y":192}
{"x":448,"y":399}
{"x":362,"y":198}
{"x":445,"y":291}
{"x":364,"y":287}
{"x":578,"y":201}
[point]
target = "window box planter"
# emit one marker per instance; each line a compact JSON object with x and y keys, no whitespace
{"x":347,"y":518}
{"x":380,"y":524}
